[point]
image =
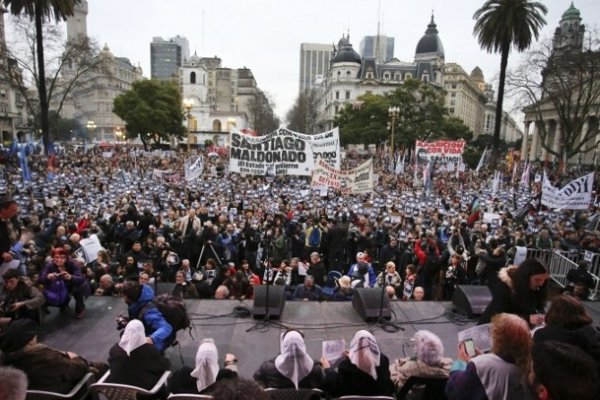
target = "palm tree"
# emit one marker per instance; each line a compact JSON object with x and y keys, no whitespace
{"x":500,"y":25}
{"x":40,"y":11}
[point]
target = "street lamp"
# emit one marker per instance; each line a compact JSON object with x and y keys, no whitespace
{"x":120,"y":134}
{"x":188,"y":104}
{"x":91,"y":126}
{"x":393,"y":112}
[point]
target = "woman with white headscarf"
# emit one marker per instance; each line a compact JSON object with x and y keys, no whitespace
{"x":202,"y":378}
{"x":365,"y":371}
{"x":133,"y":361}
{"x":293,"y":368}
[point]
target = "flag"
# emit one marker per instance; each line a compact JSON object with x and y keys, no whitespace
{"x":514,"y":174}
{"x":481,"y":161}
{"x":525,"y":176}
{"x":400,"y":164}
{"x":194,"y":169}
{"x":26,"y":173}
{"x":496,"y":183}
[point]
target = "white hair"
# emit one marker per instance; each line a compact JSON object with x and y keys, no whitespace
{"x":13,"y":384}
{"x":430,"y":349}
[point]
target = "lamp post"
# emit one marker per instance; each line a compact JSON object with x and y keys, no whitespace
{"x":91,"y":126}
{"x":188,"y":104}
{"x":393,"y":112}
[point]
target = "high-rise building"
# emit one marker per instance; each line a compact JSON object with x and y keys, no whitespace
{"x":378,"y":47}
{"x":314,"y":63}
{"x":166,"y":56}
{"x":77,"y":24}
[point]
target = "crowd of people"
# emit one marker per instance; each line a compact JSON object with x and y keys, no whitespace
{"x":114,"y":222}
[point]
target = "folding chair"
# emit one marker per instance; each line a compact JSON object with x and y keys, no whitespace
{"x":435,"y":388}
{"x":189,"y":396}
{"x":117,"y":391}
{"x":79,"y":391}
{"x":293,"y":394}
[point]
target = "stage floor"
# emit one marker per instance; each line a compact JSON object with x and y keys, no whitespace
{"x":92,"y":336}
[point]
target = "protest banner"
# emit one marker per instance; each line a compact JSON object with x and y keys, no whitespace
{"x":575,"y":195}
{"x":282,"y":152}
{"x":352,"y":181}
{"x":193,"y":169}
{"x":442,"y":150}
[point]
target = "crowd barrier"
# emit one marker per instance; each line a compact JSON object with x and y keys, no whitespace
{"x":559,"y":262}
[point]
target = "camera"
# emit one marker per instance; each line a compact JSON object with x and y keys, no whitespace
{"x":121,"y":322}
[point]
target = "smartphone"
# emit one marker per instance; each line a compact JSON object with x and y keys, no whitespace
{"x":470,"y":347}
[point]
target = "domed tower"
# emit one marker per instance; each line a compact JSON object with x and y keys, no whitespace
{"x":346,"y":63}
{"x":569,"y":34}
{"x":430,"y":46}
{"x":478,"y":78}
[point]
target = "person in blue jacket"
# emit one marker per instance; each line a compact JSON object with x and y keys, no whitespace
{"x":158,"y":331}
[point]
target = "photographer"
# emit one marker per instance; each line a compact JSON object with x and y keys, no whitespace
{"x":22,"y":299}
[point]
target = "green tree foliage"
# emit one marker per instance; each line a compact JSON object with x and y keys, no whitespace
{"x":151,"y":110}
{"x":41,"y":11}
{"x":422,"y":116}
{"x":501,"y":25}
{"x":304,"y":115}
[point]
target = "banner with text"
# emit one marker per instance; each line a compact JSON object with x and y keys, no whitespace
{"x":575,"y":195}
{"x":352,"y":181}
{"x":282,"y":152}
{"x":443,"y":151}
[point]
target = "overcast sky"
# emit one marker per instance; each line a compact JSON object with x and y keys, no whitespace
{"x":265,"y":35}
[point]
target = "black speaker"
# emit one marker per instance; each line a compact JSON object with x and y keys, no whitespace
{"x":276,"y":301}
{"x":471,"y":300}
{"x":367,"y":302}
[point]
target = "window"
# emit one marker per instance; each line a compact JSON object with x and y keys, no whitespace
{"x":407,"y":76}
{"x":337,"y":109}
{"x":337,"y":95}
{"x":397,"y":77}
{"x":348,"y":74}
{"x":425,"y":78}
{"x":347,"y":95}
{"x":216,"y":125}
{"x":193,"y":77}
{"x":369,"y":75}
{"x":451,"y":110}
{"x":454,"y":86}
{"x":386,"y":76}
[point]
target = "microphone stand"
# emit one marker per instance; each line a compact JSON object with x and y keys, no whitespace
{"x":384,"y":324}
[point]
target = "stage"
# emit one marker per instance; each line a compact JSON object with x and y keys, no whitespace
{"x":92,"y":336}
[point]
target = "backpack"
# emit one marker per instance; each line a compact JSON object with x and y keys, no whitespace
{"x":314,"y":239}
{"x":173,"y":310}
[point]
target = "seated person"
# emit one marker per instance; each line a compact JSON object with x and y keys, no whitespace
{"x":239,"y":389}
{"x":106,"y":286}
{"x":293,"y":368}
{"x":390,"y":277}
{"x":21,"y":298}
{"x":365,"y":371}
{"x":581,"y":277}
{"x":202,"y":378}
{"x":222,"y":293}
{"x":498,"y":374}
{"x":362,"y":271}
{"x":135,"y":362}
{"x":239,"y":286}
{"x":183,"y":288}
{"x":343,"y":290}
{"x":308,"y":291}
{"x":561,"y":371}
{"x":568,"y":322}
{"x":428,"y":361}
{"x":13,"y":384}
{"x":418,"y":294}
{"x":46,"y":369}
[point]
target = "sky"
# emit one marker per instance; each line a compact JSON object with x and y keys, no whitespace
{"x":265,"y":35}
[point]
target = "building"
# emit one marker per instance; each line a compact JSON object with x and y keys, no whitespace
{"x":13,"y":111}
{"x":544,"y":124}
{"x":350,"y":76}
{"x":379,"y":47}
{"x":314,"y":63}
{"x":465,"y":97}
{"x":167,"y":56}
{"x":90,"y":100}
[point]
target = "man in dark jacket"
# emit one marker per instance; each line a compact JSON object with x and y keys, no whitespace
{"x":22,"y":299}
{"x":337,"y":237}
{"x":139,"y":306}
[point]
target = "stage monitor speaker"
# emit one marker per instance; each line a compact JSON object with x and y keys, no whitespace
{"x":276,"y":301}
{"x":367,"y":302}
{"x":471,"y":300}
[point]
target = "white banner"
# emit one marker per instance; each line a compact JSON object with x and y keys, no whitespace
{"x":194,"y":169}
{"x":575,"y":195}
{"x":282,"y":152}
{"x":442,"y":150}
{"x":352,"y":181}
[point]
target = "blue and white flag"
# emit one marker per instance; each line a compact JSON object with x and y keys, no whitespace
{"x":481,"y":161}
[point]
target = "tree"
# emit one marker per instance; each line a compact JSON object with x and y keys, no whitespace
{"x":563,"y":85}
{"x":304,"y":115}
{"x":66,"y":64}
{"x":262,"y":117}
{"x":422,"y":116}
{"x":151,"y":110}
{"x":501,"y":25}
{"x":41,"y":11}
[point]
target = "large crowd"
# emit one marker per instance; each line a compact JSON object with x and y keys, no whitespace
{"x":115,"y":221}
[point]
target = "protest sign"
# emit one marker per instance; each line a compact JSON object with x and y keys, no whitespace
{"x":575,"y":195}
{"x":352,"y":181}
{"x":442,"y":150}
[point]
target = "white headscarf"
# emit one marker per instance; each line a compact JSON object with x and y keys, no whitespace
{"x":207,"y":364}
{"x":293,"y":362}
{"x":133,"y":337}
{"x":364,"y":353}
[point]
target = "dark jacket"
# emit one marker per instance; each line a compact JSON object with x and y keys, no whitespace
{"x":269,"y":376}
{"x":27,"y":293}
{"x":182,"y":382}
{"x":587,"y":338}
{"x":349,"y":380}
{"x":46,"y":368}
{"x":504,"y":301}
{"x":142,"y":368}
{"x":154,"y":322}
